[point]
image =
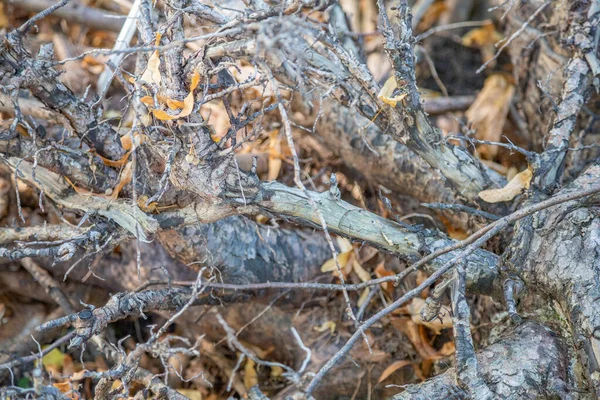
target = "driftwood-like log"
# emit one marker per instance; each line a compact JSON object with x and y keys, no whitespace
{"x":528,"y":364}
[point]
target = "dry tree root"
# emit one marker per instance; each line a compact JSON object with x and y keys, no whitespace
{"x":160,"y":211}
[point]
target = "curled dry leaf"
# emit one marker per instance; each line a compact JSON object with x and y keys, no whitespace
{"x":414,"y":309}
{"x":386,"y":94}
{"x":125,"y":178}
{"x":152,"y":73}
{"x":395,"y":366}
{"x":512,"y":189}
{"x":188,"y":103}
{"x":326,"y":325}
{"x":488,"y":113}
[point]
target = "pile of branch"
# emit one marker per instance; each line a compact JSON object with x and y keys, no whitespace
{"x":161,"y":214}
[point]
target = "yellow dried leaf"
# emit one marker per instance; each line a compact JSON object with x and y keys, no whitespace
{"x":387,"y":91}
{"x":174,"y":104}
{"x":393,"y":368}
{"x":191,"y":394}
{"x":485,"y":39}
{"x":215,"y":114}
{"x":250,"y":375}
{"x":414,"y":309}
{"x":488,"y":113}
{"x":3,"y":19}
{"x":148,"y":100}
{"x":360,"y":271}
{"x":510,"y":191}
{"x":67,"y":389}
{"x":344,"y":244}
{"x":54,"y":358}
{"x":150,"y":208}
{"x":326,"y":325}
{"x":342,"y":258}
{"x":363,"y":297}
{"x":126,"y":142}
{"x":188,"y":102}
{"x":276,"y":371}
{"x":483,"y":36}
{"x":275,"y":155}
{"x":152,"y":73}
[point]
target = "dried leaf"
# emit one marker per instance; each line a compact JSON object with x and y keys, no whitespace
{"x":387,"y":91}
{"x":3,"y":18}
{"x":512,"y":189}
{"x":380,"y":272}
{"x":326,"y":325}
{"x":346,"y":250}
{"x":126,"y":176}
{"x":147,"y":100}
{"x":81,"y":191}
{"x":115,"y":164}
{"x":432,"y":15}
{"x":276,"y":371}
{"x":275,"y":156}
{"x":215,"y":116}
{"x":152,"y":73}
{"x":489,"y":111}
{"x":67,"y":389}
{"x":485,"y":35}
{"x":250,"y":375}
{"x":414,"y":309}
{"x":363,"y":297}
{"x":188,"y":103}
{"x":393,"y":368}
{"x":342,"y":258}
{"x":412,"y":332}
{"x":344,"y":244}
{"x":55,"y":358}
{"x":191,"y":394}
{"x":360,"y":271}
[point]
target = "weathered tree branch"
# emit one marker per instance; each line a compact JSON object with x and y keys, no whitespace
{"x":529,"y":363}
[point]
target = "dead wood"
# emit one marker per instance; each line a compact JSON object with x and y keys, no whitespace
{"x":156,"y":207}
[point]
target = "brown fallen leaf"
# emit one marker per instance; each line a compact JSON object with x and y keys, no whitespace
{"x":125,"y":178}
{"x":67,"y":389}
{"x":512,"y":189}
{"x":489,"y":111}
{"x":393,"y":367}
{"x":380,"y":272}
